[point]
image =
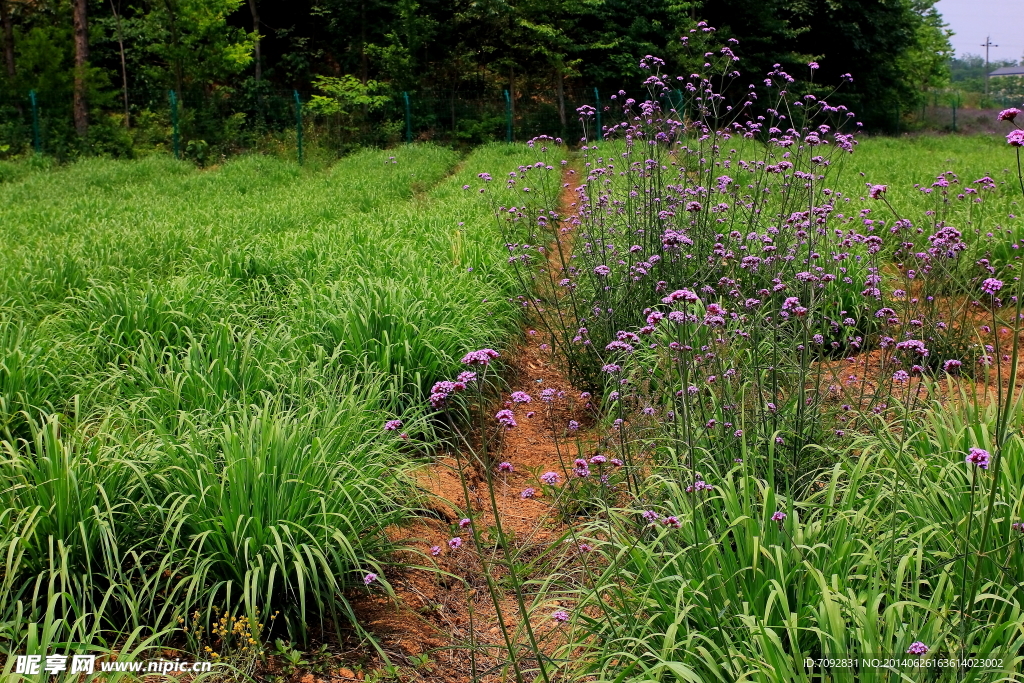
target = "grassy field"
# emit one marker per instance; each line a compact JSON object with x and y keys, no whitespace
{"x":196,"y":368}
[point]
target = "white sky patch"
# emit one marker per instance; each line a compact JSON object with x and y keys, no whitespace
{"x":973,"y":20}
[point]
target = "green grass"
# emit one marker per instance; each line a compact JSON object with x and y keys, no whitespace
{"x":195,"y":368}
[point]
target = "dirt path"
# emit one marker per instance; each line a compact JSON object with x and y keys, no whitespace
{"x":430,"y":629}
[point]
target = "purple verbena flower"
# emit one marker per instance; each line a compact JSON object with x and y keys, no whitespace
{"x":506,"y":417}
{"x":991,"y":285}
{"x":550,"y":478}
{"x":481,"y":357}
{"x":978,"y":457}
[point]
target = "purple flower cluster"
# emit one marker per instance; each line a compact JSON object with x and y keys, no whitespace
{"x":991,"y":285}
{"x":506,"y":418}
{"x":443,"y":390}
{"x":481,"y":357}
{"x":978,"y":457}
{"x":550,"y":478}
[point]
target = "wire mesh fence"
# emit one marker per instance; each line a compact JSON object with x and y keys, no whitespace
{"x":205,"y":125}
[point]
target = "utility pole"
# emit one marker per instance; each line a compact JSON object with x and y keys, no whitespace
{"x":987,"y":45}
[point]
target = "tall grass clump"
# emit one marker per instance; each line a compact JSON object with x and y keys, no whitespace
{"x":809,"y":391}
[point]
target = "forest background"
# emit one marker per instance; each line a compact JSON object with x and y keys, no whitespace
{"x":213,"y":77}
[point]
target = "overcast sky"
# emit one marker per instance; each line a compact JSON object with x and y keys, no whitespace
{"x":973,"y":20}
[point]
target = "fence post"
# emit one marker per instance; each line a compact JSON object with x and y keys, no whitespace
{"x":408,"y":118}
{"x":175,"y":133}
{"x":597,"y":105}
{"x":508,"y":118}
{"x":298,"y":123}
{"x":955,"y":102}
{"x":36,"y":146}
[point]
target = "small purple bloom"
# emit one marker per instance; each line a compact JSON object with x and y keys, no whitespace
{"x":464,"y":522}
{"x":520,"y":397}
{"x":506,"y":417}
{"x":392,"y":425}
{"x":369,"y":578}
{"x":505,"y":467}
{"x":481,"y":357}
{"x":528,"y":493}
{"x":550,"y":478}
{"x":561,"y":616}
{"x":435,"y":550}
{"x":991,"y":285}
{"x":917,"y":648}
{"x":455,"y":543}
{"x":779,"y":516}
{"x":978,"y":457}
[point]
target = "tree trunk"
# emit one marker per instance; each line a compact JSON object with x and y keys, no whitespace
{"x":172,"y":19}
{"x":8,"y":26}
{"x":560,"y":85}
{"x":81,"y":26}
{"x":256,"y":30}
{"x":124,"y":67}
{"x":364,"y":66}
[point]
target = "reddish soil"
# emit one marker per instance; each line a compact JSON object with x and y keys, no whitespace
{"x":442,"y":608}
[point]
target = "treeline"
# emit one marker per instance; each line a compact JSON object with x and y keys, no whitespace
{"x":106,"y":66}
